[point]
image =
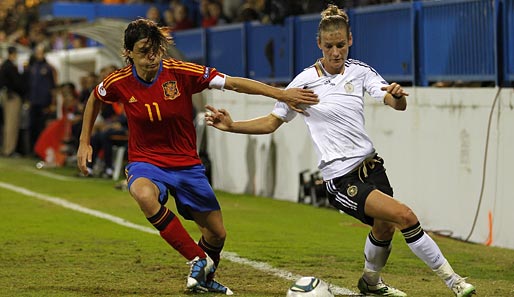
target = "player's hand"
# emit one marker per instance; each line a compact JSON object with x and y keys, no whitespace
{"x":395,"y":90}
{"x":298,"y":99}
{"x":218,"y":118}
{"x":84,"y":155}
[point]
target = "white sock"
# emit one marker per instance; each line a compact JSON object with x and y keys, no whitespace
{"x":376,"y":253}
{"x":427,"y":250}
{"x":446,"y":273}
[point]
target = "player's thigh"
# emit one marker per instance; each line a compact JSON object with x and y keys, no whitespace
{"x":383,"y":207}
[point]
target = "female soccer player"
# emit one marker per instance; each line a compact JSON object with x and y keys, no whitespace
{"x":157,"y":96}
{"x":356,"y":179}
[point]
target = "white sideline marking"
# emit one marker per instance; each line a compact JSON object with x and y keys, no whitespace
{"x":233,"y":257}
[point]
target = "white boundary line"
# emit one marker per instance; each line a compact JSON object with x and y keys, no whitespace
{"x":233,"y":257}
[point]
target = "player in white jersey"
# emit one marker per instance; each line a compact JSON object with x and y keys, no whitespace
{"x":355,"y":176}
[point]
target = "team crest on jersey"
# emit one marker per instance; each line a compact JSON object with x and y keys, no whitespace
{"x":352,"y":190}
{"x":101,"y":89}
{"x":348,"y":87}
{"x":171,"y":91}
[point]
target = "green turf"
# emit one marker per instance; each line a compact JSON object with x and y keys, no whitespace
{"x":48,"y":250}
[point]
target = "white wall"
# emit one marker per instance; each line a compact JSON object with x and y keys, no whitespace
{"x":434,"y":154}
{"x":73,"y":64}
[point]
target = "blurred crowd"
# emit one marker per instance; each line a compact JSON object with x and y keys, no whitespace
{"x":187,"y":14}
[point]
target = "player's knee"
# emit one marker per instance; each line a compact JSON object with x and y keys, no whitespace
{"x":407,"y":218}
{"x":146,"y":198}
{"x":383,"y":230}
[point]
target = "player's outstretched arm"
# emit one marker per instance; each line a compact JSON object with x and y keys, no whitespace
{"x":220,"y":119}
{"x":294,"y":97}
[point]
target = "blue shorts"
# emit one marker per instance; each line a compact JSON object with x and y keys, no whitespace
{"x":189,"y":186}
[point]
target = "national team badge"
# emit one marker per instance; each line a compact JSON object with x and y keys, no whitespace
{"x":101,"y":89}
{"x":348,"y":87}
{"x":171,"y":91}
{"x":352,"y":190}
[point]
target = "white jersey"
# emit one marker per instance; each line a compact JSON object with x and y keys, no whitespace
{"x":336,"y":123}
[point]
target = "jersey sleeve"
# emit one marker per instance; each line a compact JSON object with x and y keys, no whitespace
{"x":210,"y":77}
{"x":281,"y":110}
{"x":105,"y":93}
{"x":373,"y":82}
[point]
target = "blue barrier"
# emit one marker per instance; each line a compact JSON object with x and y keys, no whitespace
{"x":306,"y":50}
{"x":192,"y":43}
{"x":386,"y":46}
{"x":226,"y":49}
{"x":458,"y":38}
{"x":92,"y":11}
{"x":418,"y":43}
{"x":269,"y":49}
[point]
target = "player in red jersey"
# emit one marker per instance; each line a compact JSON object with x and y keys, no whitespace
{"x":157,"y":96}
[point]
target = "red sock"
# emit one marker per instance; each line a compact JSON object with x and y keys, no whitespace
{"x":174,"y":233}
{"x":179,"y":239}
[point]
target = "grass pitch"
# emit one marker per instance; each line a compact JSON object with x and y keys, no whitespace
{"x":48,"y":250}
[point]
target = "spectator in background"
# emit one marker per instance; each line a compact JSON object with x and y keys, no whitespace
{"x":182,"y":19}
{"x":154,"y":15}
{"x":251,"y":10}
{"x":42,"y":82}
{"x":231,"y":8}
{"x":11,"y":93}
{"x":37,"y":36}
{"x":174,"y":3}
{"x":168,"y":19}
{"x":276,"y":11}
{"x":58,"y":40}
{"x":71,"y":108}
{"x":3,"y":36}
{"x":212,"y":13}
{"x":112,"y":130}
{"x":87,"y":84}
{"x":55,"y":142}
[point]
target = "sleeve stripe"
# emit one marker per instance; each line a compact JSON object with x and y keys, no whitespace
{"x":114,"y":76}
{"x":187,"y":69}
{"x":170,"y":64}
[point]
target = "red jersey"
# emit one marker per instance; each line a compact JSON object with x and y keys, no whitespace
{"x":160,"y":113}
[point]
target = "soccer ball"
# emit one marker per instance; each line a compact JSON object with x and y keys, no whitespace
{"x":309,"y":286}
